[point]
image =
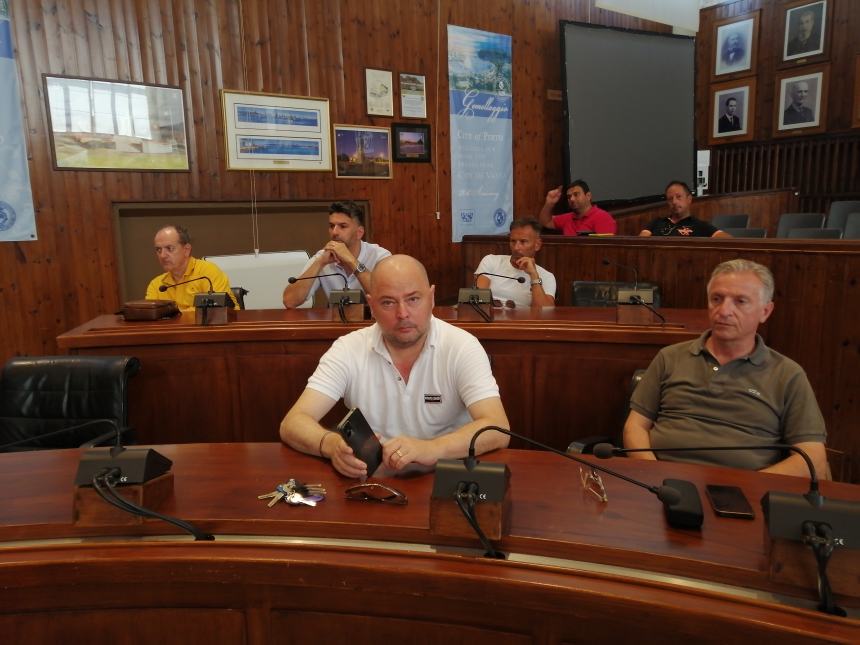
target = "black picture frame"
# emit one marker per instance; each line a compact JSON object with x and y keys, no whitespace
{"x":411,"y":142}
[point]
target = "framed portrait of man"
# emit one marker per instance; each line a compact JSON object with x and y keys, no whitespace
{"x":735,"y":46}
{"x":801,"y":101}
{"x":805,"y":31}
{"x":732,"y":111}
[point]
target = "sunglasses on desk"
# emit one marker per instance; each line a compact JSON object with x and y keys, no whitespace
{"x":375,"y":492}
{"x":507,"y":304}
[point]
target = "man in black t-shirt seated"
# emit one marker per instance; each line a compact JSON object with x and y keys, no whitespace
{"x":679,"y":222}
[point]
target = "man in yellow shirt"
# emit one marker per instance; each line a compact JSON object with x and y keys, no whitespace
{"x":173,"y":250}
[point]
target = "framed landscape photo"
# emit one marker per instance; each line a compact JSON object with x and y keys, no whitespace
{"x":805,"y":27}
{"x":411,"y":142}
{"x":801,"y":101}
{"x":732,"y":111}
{"x":413,"y":96}
{"x":109,"y":125}
{"x":276,"y":132}
{"x":379,"y":85}
{"x":736,"y":46}
{"x":362,"y":152}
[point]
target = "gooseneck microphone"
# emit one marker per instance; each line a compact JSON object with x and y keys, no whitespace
{"x":519,"y":279}
{"x":813,"y":496}
{"x":165,"y":287}
{"x":636,"y":299}
{"x":607,"y":262}
{"x":666,"y":494}
{"x":819,"y":524}
{"x":115,"y":429}
{"x":293,"y":279}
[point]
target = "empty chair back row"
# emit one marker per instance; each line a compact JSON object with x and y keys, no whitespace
{"x":745,"y":232}
{"x":723,"y":222}
{"x":837,"y":216}
{"x":788,"y":221}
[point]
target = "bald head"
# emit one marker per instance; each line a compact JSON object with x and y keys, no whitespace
{"x":401,"y":268}
{"x":401,"y":299}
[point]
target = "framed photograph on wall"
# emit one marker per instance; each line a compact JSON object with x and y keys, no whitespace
{"x":801,"y":101}
{"x":379,"y":85}
{"x":362,"y":152}
{"x":109,"y":125}
{"x":411,"y":142}
{"x":735,"y":46}
{"x":855,"y":119}
{"x":413,"y":96}
{"x":732,"y":111}
{"x":276,"y":132}
{"x":805,"y":28}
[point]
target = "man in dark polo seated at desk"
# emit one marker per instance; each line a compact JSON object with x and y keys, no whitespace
{"x":424,"y":386}
{"x":727,"y":388}
{"x":680,"y":222}
{"x":346,"y":255}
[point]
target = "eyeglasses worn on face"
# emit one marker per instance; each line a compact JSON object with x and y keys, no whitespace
{"x":374,"y":492}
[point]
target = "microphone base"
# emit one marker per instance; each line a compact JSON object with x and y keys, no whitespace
{"x":492,"y":510}
{"x":631,"y":314}
{"x":470,"y":299}
{"x":212,"y":308}
{"x":352,"y":313}
{"x":136,"y":465}
{"x":92,"y":510}
{"x":687,"y":513}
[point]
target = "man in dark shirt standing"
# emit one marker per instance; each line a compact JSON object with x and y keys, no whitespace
{"x":679,"y":222}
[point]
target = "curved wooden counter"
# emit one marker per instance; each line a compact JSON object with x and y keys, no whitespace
{"x":357,"y":572}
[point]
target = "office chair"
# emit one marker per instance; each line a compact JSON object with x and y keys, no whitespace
{"x":730,"y":221}
{"x":837,"y":215}
{"x":44,"y":394}
{"x":816,"y":233}
{"x":745,"y":232}
{"x":788,"y":221}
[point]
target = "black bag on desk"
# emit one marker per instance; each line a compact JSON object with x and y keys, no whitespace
{"x":149,"y":309}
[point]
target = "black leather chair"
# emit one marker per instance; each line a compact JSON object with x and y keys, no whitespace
{"x":45,"y":394}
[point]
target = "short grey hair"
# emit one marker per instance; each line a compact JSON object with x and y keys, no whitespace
{"x":747,"y":266}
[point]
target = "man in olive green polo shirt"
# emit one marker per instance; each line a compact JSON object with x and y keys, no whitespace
{"x":728,"y":388}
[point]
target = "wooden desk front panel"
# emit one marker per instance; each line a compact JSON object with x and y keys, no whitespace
{"x":562,"y":373}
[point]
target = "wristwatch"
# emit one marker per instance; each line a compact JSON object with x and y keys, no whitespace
{"x":360,"y":268}
{"x":539,"y":281}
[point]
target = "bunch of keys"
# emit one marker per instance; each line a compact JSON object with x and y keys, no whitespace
{"x":295,"y":493}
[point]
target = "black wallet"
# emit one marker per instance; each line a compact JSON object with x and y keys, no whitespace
{"x":360,"y":437}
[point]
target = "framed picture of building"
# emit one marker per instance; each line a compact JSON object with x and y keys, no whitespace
{"x":362,"y":152}
{"x":379,"y":86}
{"x":97,"y":124}
{"x":276,"y":132}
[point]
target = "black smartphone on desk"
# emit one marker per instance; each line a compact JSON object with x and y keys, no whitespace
{"x":360,"y":437}
{"x":729,"y":501}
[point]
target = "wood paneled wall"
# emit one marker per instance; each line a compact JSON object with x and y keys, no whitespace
{"x":820,"y":167}
{"x":321,"y":48}
{"x":302,"y":47}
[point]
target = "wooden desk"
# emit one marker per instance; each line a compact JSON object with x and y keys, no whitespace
{"x":563,"y":372}
{"x":352,"y":572}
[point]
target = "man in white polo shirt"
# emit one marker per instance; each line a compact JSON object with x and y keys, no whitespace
{"x":346,"y":257}
{"x":424,"y":386}
{"x":538,"y":285}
